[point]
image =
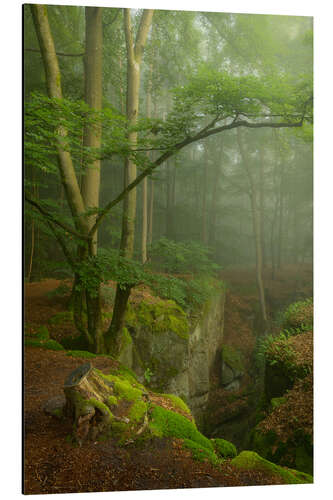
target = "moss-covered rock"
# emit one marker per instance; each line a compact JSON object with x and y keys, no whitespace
{"x":224,"y":448}
{"x":159,"y":317}
{"x":251,"y":460}
{"x":166,"y":423}
{"x":178,"y":402}
{"x":201,"y":453}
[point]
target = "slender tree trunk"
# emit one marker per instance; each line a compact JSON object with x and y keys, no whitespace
{"x":204,"y":236}
{"x":53,"y":82}
{"x":145,"y":183}
{"x":151,"y":213}
{"x":262,"y":206}
{"x":256,"y":229}
{"x":144,"y":220}
{"x":134,"y":57}
{"x":281,"y":220}
{"x":92,"y":139}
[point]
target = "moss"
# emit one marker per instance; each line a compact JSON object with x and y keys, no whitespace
{"x":159,"y":317}
{"x":138,"y":411}
{"x":61,"y":317}
{"x":304,"y":459}
{"x":103,"y":408}
{"x":112,"y":401}
{"x":251,"y":460}
{"x":201,"y":453}
{"x":232,"y":358}
{"x":42,"y":333}
{"x":178,"y":402}
{"x":224,"y":448}
{"x":51,"y":344}
{"x":81,"y":354}
{"x":275,"y":402}
{"x":123,"y":388}
{"x":166,"y":423}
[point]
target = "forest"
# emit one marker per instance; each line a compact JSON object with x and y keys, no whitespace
{"x":168,"y":199}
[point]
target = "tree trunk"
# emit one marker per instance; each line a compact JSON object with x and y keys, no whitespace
{"x":144,"y":221}
{"x":112,"y":336}
{"x":281,"y":221}
{"x":92,"y":139}
{"x":87,"y":403}
{"x":151,"y":213}
{"x":93,"y":97}
{"x":53,"y":82}
{"x":262,"y":205}
{"x":144,"y":235}
{"x":134,"y":56}
{"x":204,"y":204}
{"x":256,"y":229}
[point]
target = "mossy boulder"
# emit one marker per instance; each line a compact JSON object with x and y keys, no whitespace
{"x":160,"y":334}
{"x":224,"y":448}
{"x":250,"y":460}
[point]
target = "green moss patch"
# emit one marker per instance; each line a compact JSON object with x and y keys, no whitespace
{"x":233,"y":358}
{"x":251,"y":460}
{"x":178,"y":402}
{"x":61,"y":317}
{"x":159,"y":317}
{"x":81,"y":354}
{"x":224,"y":448}
{"x":276,"y":402}
{"x":201,"y":453}
{"x":51,"y":344}
{"x":166,"y":423}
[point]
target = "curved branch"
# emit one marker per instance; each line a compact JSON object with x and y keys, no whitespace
{"x":51,"y":218}
{"x":202,"y":134}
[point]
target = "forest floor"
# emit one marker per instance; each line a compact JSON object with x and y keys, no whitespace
{"x":53,"y":465}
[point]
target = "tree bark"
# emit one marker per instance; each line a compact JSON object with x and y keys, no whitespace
{"x":93,"y":97}
{"x":256,"y":229}
{"x":53,"y":83}
{"x":134,"y":57}
{"x":84,"y":389}
{"x":204,"y":235}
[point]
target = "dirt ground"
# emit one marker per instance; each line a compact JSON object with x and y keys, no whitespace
{"x":53,"y":465}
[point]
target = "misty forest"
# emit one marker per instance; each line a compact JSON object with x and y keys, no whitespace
{"x":168,"y":313}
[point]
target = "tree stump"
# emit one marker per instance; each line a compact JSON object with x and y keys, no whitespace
{"x":87,"y":404}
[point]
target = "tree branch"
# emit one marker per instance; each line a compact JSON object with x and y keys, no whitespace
{"x":51,"y":218}
{"x":202,"y":134}
{"x":142,"y":33}
{"x":58,"y":53}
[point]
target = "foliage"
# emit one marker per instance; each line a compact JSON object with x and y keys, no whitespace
{"x":148,"y":374}
{"x":299,"y":315}
{"x":182,"y":257}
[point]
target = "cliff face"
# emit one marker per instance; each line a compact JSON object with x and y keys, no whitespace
{"x":174,"y":353}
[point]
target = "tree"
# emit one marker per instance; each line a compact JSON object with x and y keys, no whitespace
{"x":134,"y":57}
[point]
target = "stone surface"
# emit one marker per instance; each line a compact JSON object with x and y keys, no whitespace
{"x":181,"y":364}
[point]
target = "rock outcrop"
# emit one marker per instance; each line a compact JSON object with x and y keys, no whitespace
{"x":172,"y":352}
